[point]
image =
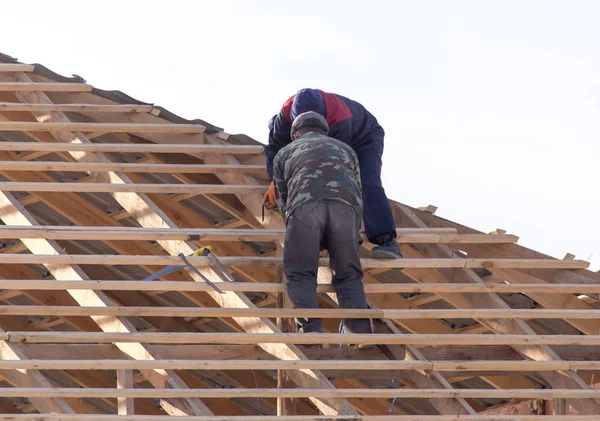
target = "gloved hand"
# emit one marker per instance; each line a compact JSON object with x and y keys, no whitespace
{"x":269,"y":200}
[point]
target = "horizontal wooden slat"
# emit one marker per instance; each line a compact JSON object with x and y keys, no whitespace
{"x":379,"y":365}
{"x":45,"y":87}
{"x":411,"y":314}
{"x":118,"y":285}
{"x":302,"y":339}
{"x":77,"y":108}
{"x":110,"y":417}
{"x":132,"y":148}
{"x":16,"y":67}
{"x":132,"y":188}
{"x":229,"y":393}
{"x":153,"y":260}
{"x":117,"y":167}
{"x":28,"y":126}
{"x":404,"y":235}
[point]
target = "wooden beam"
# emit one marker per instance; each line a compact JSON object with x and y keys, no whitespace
{"x":325,"y":313}
{"x":125,"y":381}
{"x":57,"y":232}
{"x":118,"y":285}
{"x":99,"y":259}
{"x":29,"y":126}
{"x":44,"y":86}
{"x":73,"y":392}
{"x":130,"y":188}
{"x":132,"y":148}
{"x":299,"y":339}
{"x":16,"y":67}
{"x":378,"y":365}
{"x":75,"y":108}
{"x":90,"y":417}
{"x":105,"y":167}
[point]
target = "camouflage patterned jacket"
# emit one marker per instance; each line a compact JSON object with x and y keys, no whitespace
{"x":316,"y":167}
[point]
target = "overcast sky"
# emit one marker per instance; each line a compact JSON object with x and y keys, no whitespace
{"x":491,"y":109}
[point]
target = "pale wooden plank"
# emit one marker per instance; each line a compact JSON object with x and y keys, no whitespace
{"x":106,"y":167}
{"x":325,"y":313}
{"x":44,"y":86}
{"x":77,"y":108}
{"x":118,"y":285}
{"x":379,"y":365}
{"x":132,"y":148}
{"x":91,"y":259}
{"x":302,"y":339}
{"x":405,"y":235}
{"x":129,"y":188}
{"x":125,"y":406}
{"x":16,"y":67}
{"x":92,"y":417}
{"x":28,"y":126}
{"x":304,"y":393}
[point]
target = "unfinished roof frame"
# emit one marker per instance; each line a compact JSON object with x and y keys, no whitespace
{"x":457,"y":272}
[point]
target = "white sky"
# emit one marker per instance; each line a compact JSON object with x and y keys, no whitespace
{"x":491,"y":109}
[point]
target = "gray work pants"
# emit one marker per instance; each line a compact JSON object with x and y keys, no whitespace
{"x":332,"y":226}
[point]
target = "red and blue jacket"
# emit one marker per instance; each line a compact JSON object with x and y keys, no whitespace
{"x":348,"y":121}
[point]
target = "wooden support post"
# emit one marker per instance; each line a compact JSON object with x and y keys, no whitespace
{"x":125,"y":381}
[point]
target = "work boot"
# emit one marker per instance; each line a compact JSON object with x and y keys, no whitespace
{"x":388,"y":250}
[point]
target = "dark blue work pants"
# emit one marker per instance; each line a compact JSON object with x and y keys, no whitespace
{"x":377,"y":212}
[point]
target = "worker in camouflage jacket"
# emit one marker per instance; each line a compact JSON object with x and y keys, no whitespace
{"x":318,"y":191}
{"x":352,"y":124}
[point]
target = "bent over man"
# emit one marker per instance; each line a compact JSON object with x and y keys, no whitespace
{"x":317,"y":180}
{"x":353,"y":125}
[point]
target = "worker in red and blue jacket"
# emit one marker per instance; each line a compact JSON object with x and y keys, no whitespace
{"x":352,"y":124}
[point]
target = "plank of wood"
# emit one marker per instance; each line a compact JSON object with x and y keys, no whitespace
{"x":303,"y":393}
{"x":92,"y":259}
{"x":44,"y":86}
{"x":29,"y":126}
{"x":105,"y":167}
{"x":118,"y":285}
{"x":405,"y":235}
{"x":300,"y":339}
{"x":76,"y":108}
{"x":125,"y":381}
{"x":130,"y":188}
{"x":380,"y":365}
{"x":16,"y":67}
{"x":132,"y":148}
{"x":107,"y":417}
{"x":325,"y":313}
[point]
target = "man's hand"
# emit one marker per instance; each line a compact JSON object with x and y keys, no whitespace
{"x":269,"y":200}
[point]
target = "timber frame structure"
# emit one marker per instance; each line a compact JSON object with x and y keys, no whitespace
{"x":98,"y":190}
